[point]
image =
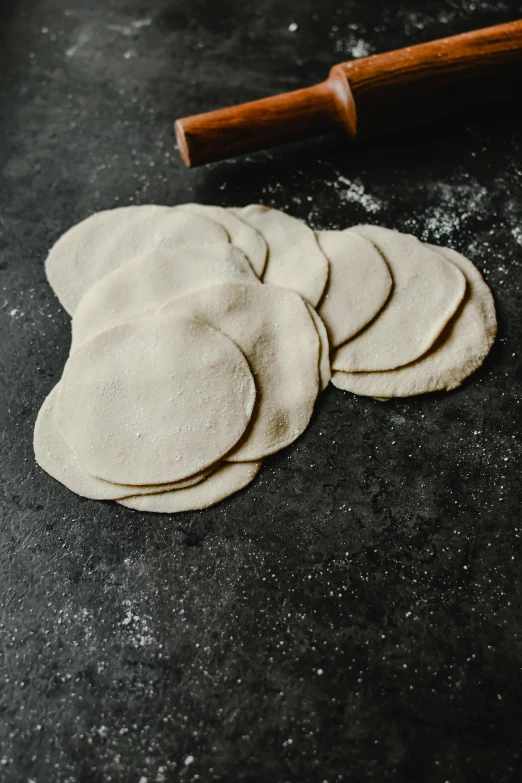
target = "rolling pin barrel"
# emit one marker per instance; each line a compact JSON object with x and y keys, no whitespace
{"x":363,"y":97}
{"x":419,"y":83}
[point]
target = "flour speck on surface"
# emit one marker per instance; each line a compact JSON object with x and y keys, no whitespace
{"x":354,"y":192}
{"x":82,"y":39}
{"x":517,"y":234}
{"x":350,"y":42}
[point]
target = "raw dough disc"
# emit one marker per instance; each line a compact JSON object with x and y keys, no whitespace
{"x":427,"y":291}
{"x":276,"y":334}
{"x":154,"y":400}
{"x":241,"y":234}
{"x":59,"y":461}
{"x":225,"y":481}
{"x":295,"y":259}
{"x":358,"y":286}
{"x":140,"y":286}
{"x":324,"y":349}
{"x":105,"y":240}
{"x":459,"y":351}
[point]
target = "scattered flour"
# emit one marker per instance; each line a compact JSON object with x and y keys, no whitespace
{"x":92,"y":30}
{"x":139,"y":631}
{"x":353,"y":192}
{"x":355,"y":48}
{"x":415,"y":24}
{"x":413,"y":21}
{"x":13,"y":312}
{"x":82,"y":39}
{"x":351,"y":44}
{"x":451,"y":207}
{"x":139,"y":23}
{"x":129,"y":30}
{"x":356,"y":194}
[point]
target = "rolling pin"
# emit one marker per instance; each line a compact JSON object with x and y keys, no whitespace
{"x":368,"y":96}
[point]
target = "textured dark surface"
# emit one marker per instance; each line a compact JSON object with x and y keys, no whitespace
{"x":356,"y":614}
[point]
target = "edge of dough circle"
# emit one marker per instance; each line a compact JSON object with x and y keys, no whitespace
{"x":155,"y":400}
{"x":276,"y":333}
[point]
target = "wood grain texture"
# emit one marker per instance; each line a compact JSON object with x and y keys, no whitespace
{"x":432,"y":78}
{"x":363,"y":97}
{"x":216,"y":135}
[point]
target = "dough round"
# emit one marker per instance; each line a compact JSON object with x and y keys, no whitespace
{"x":358,"y":286}
{"x":154,"y":400}
{"x":275,"y":332}
{"x":241,"y":234}
{"x":140,"y":286}
{"x":295,"y":259}
{"x":427,"y":291}
{"x":59,"y":461}
{"x":105,"y":240}
{"x":459,"y":351}
{"x":324,"y":349}
{"x":225,"y":481}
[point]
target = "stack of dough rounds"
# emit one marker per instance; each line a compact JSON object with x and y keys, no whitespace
{"x":435,"y":330}
{"x":201,"y":337}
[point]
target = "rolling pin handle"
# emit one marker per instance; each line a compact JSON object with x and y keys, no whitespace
{"x":327,"y":107}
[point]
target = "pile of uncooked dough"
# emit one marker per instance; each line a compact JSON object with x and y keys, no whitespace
{"x":201,"y":337}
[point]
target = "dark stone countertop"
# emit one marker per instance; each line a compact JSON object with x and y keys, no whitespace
{"x":354,"y":615}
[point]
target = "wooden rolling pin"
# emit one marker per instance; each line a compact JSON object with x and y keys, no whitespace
{"x":367,"y":96}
